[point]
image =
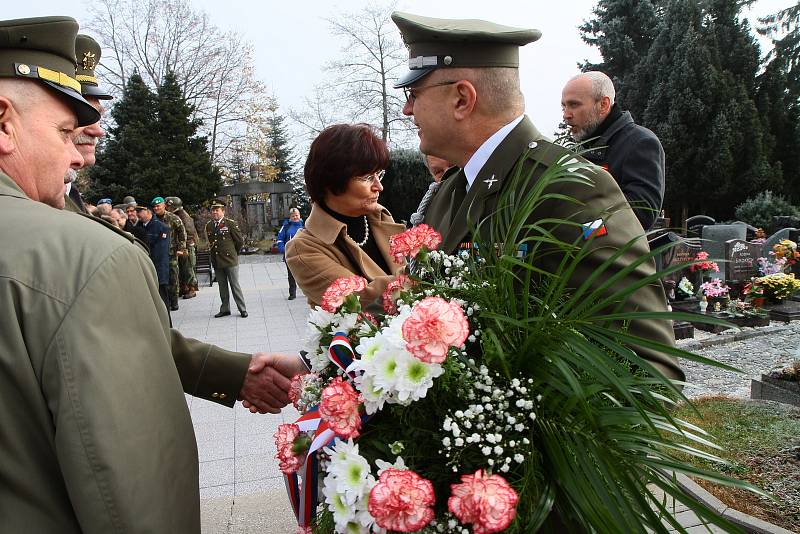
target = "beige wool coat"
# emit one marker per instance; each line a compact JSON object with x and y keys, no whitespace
{"x":95,"y":433}
{"x":322,"y":252}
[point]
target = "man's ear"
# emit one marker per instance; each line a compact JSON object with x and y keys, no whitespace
{"x":605,"y":106}
{"x":7,"y":144}
{"x":467,"y":99}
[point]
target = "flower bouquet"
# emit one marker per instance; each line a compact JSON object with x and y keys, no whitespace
{"x":685,"y":289}
{"x":778,"y":286}
{"x":488,"y":398}
{"x":702,"y":265}
{"x":714,"y":288}
{"x":786,"y":250}
{"x":767,"y":267}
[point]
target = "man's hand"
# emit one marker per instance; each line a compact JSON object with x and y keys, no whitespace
{"x":266,"y":386}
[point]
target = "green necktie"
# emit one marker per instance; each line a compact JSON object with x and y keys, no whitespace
{"x":459,"y":193}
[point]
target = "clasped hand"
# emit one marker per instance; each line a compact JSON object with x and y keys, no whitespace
{"x":266,"y":385}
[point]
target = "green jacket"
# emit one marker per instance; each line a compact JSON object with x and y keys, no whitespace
{"x":622,"y":227}
{"x":224,"y":243}
{"x":177,"y":232}
{"x":95,"y":431}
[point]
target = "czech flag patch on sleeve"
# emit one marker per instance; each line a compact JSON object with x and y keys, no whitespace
{"x":594,"y":229}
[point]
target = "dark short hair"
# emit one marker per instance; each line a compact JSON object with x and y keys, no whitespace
{"x":339,"y":153}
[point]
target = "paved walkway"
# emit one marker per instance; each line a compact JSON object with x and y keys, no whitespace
{"x":241,"y":489}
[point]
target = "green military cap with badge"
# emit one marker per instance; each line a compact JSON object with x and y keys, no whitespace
{"x":88,"y":53}
{"x":454,"y":43}
{"x":217,"y":204}
{"x":43,"y":49}
{"x":156,"y":201}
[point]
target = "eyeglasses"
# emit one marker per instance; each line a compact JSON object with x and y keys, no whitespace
{"x":368,"y":179}
{"x":412,"y":92}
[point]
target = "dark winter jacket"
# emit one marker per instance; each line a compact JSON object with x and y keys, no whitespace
{"x":158,"y":241}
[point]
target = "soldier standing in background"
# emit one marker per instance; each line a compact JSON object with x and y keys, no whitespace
{"x":186,"y":264}
{"x":177,"y":246}
{"x":224,"y":243}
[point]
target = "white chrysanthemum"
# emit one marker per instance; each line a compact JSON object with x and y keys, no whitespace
{"x":318,"y":321}
{"x":414,"y":378}
{"x":343,"y":513}
{"x":368,"y":346}
{"x":350,"y":472}
{"x":344,"y":323}
{"x":383,"y":465}
{"x":374,"y":397}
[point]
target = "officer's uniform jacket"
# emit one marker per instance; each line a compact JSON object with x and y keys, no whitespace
{"x":322,"y":252}
{"x":95,"y":434}
{"x":177,"y":232}
{"x":622,"y":226}
{"x":224,"y":243}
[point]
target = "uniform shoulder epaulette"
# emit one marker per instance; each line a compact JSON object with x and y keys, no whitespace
{"x":546,"y":152}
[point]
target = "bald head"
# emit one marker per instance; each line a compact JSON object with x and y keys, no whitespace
{"x":586,"y":101}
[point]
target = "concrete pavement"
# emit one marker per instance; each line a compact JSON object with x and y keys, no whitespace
{"x":241,"y":488}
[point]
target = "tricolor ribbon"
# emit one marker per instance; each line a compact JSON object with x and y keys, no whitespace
{"x":302,"y":486}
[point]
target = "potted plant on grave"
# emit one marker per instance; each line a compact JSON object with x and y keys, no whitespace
{"x":716,"y":292}
{"x":786,"y":250}
{"x":684,"y":289}
{"x":778,"y":286}
{"x":703,"y":267}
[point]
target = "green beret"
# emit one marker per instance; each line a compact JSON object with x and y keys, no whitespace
{"x":157,"y":200}
{"x":88,"y":52}
{"x":43,"y":49}
{"x":454,"y":43}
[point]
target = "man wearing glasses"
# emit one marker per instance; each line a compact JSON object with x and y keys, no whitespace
{"x":463,"y":92}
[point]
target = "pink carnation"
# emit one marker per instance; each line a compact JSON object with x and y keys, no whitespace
{"x":433,"y":327}
{"x":339,"y":290}
{"x":411,"y":241}
{"x":339,"y":407}
{"x":402,"y":501}
{"x":296,"y":390}
{"x":489,"y":503}
{"x":396,"y":285}
{"x":288,"y":457}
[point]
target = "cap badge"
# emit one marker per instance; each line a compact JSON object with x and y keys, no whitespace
{"x":23,"y":69}
{"x":533,"y":144}
{"x":448,"y":60}
{"x":88,"y":61}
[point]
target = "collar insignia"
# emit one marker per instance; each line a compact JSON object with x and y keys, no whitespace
{"x":490,"y":182}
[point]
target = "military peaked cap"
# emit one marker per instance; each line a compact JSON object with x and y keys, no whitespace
{"x":43,"y":49}
{"x":217,"y":204}
{"x":442,"y":43}
{"x":88,"y":52}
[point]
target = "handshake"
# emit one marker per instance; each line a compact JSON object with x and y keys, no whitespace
{"x":266,"y":385}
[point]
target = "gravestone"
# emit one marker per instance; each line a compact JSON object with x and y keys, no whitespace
{"x":695,"y":224}
{"x":741,"y":259}
{"x":684,"y":251}
{"x":751,"y":230}
{"x":714,"y":239}
{"x":783,"y":233}
{"x":784,"y":221}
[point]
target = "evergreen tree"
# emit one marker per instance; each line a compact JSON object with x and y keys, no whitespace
{"x":700,"y":71}
{"x":623,"y":31}
{"x":405,"y":183}
{"x":280,"y":152}
{"x":128,"y":158}
{"x":185,"y":168}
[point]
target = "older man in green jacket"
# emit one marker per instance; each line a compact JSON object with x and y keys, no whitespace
{"x":92,"y":439}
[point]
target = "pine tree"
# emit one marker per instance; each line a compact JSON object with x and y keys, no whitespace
{"x":623,"y":31}
{"x":280,"y":152}
{"x":185,"y":168}
{"x":696,"y":91}
{"x":128,"y":158}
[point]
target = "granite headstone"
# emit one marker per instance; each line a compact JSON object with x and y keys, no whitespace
{"x":742,"y":259}
{"x":714,"y":239}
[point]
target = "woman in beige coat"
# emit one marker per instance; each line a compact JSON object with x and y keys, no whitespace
{"x":347,"y":231}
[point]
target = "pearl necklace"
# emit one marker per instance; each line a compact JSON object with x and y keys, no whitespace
{"x":366,"y":233}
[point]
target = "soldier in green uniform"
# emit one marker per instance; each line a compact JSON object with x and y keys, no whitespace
{"x":93,"y":440}
{"x":88,"y":54}
{"x":177,"y":246}
{"x":462,"y":91}
{"x":224,"y":243}
{"x":187,"y":263}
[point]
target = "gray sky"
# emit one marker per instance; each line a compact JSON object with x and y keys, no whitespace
{"x":292,"y":41}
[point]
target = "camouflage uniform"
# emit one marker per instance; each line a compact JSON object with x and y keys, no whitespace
{"x":187,"y":274}
{"x":176,"y":244}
